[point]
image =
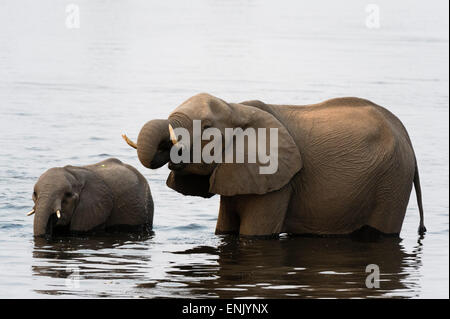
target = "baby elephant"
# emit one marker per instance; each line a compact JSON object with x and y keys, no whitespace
{"x":109,"y":195}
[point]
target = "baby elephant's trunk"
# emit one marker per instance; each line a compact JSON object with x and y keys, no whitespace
{"x":46,"y":216}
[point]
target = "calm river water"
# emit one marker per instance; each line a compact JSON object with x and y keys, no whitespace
{"x":67,"y":94}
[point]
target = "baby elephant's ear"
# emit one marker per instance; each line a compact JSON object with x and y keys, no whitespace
{"x":194,"y":185}
{"x":96,"y":201}
{"x":235,"y":178}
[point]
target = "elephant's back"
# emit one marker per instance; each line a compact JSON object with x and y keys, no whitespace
{"x":343,"y":122}
{"x":370,"y":124}
{"x":115,"y":173}
{"x":347,"y":146}
{"x":132,"y":194}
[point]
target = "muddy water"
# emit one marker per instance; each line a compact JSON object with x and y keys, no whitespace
{"x":66,"y":95}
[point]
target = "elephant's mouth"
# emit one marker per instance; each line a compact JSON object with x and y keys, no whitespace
{"x":53,"y":229}
{"x":176,"y":167}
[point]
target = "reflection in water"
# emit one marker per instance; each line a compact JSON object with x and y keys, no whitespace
{"x":289,"y":267}
{"x":305,"y":267}
{"x":94,"y":259}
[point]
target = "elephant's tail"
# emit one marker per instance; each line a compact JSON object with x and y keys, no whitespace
{"x":422,"y":228}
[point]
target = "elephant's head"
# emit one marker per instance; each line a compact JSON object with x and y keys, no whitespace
{"x":156,"y":140}
{"x":70,"y":199}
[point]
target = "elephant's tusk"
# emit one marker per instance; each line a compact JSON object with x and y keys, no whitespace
{"x":173,"y":137}
{"x":58,"y":213}
{"x":31,"y":213}
{"x":129,"y":142}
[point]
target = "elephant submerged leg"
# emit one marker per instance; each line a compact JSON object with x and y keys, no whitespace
{"x":263,"y":215}
{"x":391,"y":200}
{"x":228,"y":220}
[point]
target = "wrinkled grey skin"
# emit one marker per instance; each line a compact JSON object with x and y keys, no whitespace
{"x":103,"y":196}
{"x":343,"y":165}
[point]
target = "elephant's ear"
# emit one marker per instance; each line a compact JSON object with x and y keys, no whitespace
{"x":231,"y":179}
{"x":96,"y":201}
{"x":194,"y":185}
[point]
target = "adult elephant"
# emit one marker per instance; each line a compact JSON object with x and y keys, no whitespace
{"x":343,"y":164}
{"x":109,"y":195}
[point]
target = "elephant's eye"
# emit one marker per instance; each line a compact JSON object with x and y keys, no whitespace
{"x":34,"y":195}
{"x":68,"y":194}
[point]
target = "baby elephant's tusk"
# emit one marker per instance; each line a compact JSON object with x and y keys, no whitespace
{"x":129,"y":142}
{"x":58,"y":213}
{"x":31,"y":213}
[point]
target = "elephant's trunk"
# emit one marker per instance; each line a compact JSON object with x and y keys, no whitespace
{"x":44,"y":221}
{"x":153,"y":145}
